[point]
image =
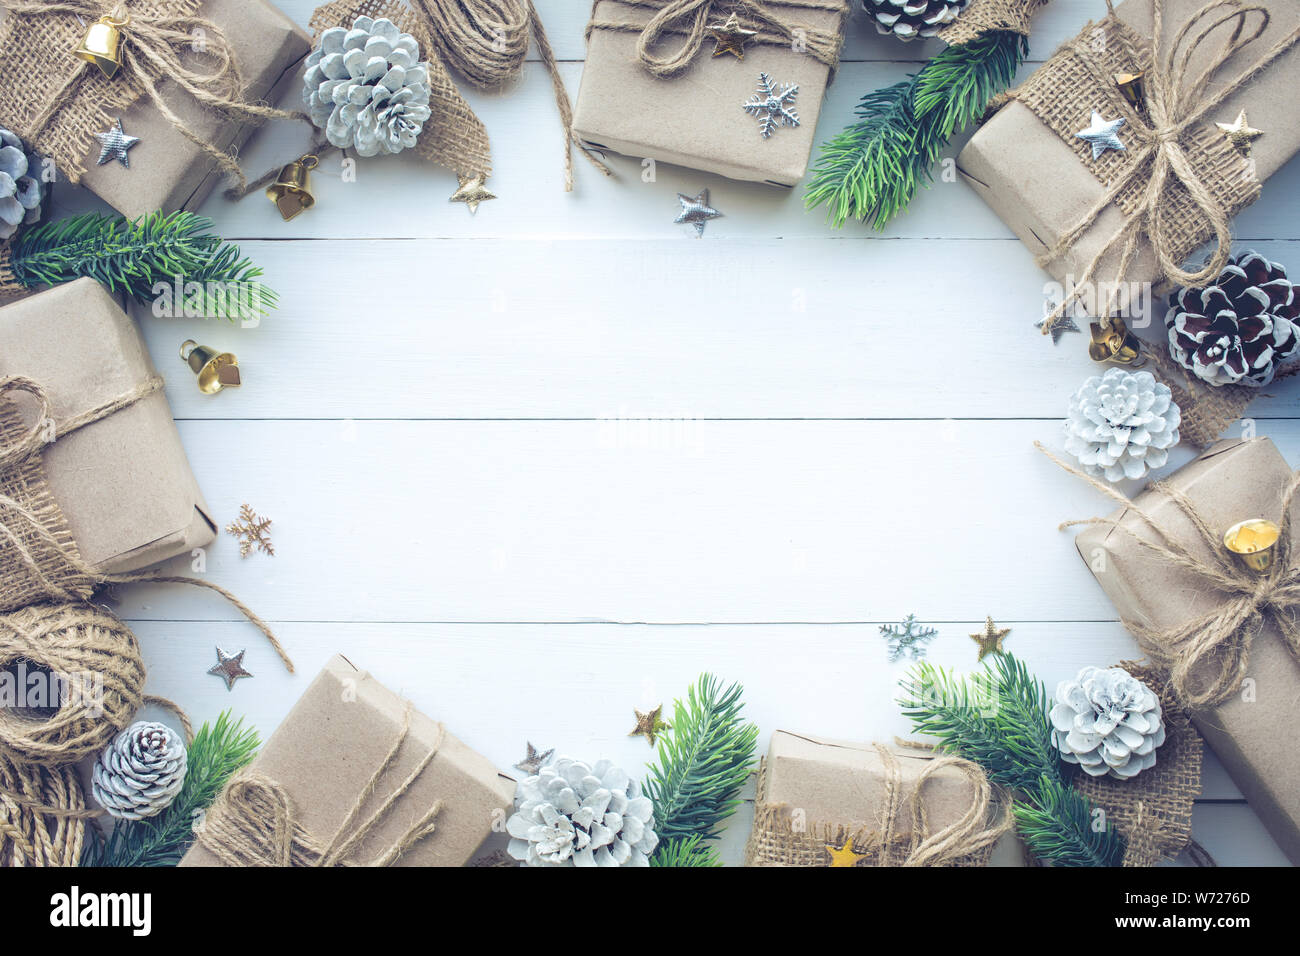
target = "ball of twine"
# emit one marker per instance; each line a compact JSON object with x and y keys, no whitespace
{"x":101,"y":678}
{"x":42,"y":814}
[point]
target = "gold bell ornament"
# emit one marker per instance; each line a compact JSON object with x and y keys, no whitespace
{"x":216,"y":370}
{"x":291,"y":191}
{"x":1254,"y":542}
{"x":103,"y":40}
{"x":1113,"y":342}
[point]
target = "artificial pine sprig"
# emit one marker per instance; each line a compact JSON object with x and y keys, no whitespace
{"x":872,"y":169}
{"x":218,"y":750}
{"x":139,"y":257}
{"x":702,"y":763}
{"x":998,"y":719}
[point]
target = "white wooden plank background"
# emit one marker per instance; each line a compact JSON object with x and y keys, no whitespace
{"x":539,"y":466}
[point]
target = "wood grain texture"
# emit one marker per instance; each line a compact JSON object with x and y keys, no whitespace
{"x":539,"y":466}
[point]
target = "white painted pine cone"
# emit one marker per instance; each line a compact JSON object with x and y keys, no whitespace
{"x":1108,"y":722}
{"x":909,"y":19}
{"x":367,"y":88}
{"x":21,"y":192}
{"x":1121,"y":424}
{"x":573,"y":814}
{"x":139,"y":774}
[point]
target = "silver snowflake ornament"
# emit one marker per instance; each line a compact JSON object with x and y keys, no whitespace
{"x":696,"y":210}
{"x":114,"y":145}
{"x":770,"y":105}
{"x":1102,"y":134}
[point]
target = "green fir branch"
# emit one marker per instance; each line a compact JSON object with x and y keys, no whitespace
{"x":872,"y":169}
{"x":140,"y":257}
{"x":998,"y":719}
{"x":218,"y":750}
{"x":691,"y":851}
{"x":702,"y":763}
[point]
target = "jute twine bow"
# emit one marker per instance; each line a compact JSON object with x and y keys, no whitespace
{"x":966,"y":841}
{"x":690,"y":19}
{"x":1175,"y":101}
{"x":1208,"y":655}
{"x":154,"y":34}
{"x":252,"y":822}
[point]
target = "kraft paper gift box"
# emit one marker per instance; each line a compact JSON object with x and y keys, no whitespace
{"x":695,"y":119}
{"x":335,"y":738}
{"x":1039,"y":180}
{"x":1250,"y":733}
{"x":168,"y":172}
{"x":123,"y":483}
{"x":813,"y":790}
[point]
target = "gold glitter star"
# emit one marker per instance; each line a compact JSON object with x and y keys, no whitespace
{"x":471,"y":192}
{"x":1239,"y":132}
{"x":650,"y":725}
{"x":730,"y":37}
{"x":990,"y":641}
{"x":845,"y":855}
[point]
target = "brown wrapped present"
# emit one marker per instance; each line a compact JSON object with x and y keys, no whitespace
{"x":91,"y":463}
{"x":1224,"y":631}
{"x":355,"y":774}
{"x":652,"y":88}
{"x":829,"y":803}
{"x":1100,"y":224}
{"x":57,"y":102}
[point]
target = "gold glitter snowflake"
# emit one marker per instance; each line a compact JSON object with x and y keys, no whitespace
{"x":252,"y":531}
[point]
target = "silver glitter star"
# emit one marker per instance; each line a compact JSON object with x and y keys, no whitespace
{"x":696,"y":211}
{"x":114,"y":145}
{"x":1102,"y":134}
{"x":535,"y":760}
{"x":1058,"y":328}
{"x":229,"y":667}
{"x":770,"y":105}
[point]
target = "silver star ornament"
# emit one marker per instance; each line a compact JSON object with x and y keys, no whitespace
{"x":697,"y":211}
{"x":1102,"y":134}
{"x":114,"y":145}
{"x":535,"y":760}
{"x":1058,"y":328}
{"x":229,"y":667}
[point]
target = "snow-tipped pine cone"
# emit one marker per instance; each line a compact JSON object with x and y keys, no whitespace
{"x":139,"y":774}
{"x":1121,"y":424}
{"x":21,"y":190}
{"x":573,"y":814}
{"x":367,"y":88}
{"x":1240,"y":329}
{"x":909,"y":19}
{"x":1108,"y":722}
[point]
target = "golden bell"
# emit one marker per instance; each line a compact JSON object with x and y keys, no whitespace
{"x":216,"y":370}
{"x":1115,"y":344}
{"x":291,"y":191}
{"x":1253,"y":542}
{"x":1132,"y":87}
{"x":103,"y":37}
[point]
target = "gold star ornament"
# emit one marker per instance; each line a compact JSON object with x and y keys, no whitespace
{"x":1239,"y":132}
{"x":731,"y":37}
{"x":845,"y":855}
{"x":990,"y":641}
{"x":471,"y":192}
{"x":650,"y":725}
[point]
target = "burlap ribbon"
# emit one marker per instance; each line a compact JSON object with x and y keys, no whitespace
{"x":1178,"y":183}
{"x":690,"y":19}
{"x":968,"y":841}
{"x":990,"y":16}
{"x":57,"y":102}
{"x":39,"y":561}
{"x":1208,"y":655}
{"x":252,"y":822}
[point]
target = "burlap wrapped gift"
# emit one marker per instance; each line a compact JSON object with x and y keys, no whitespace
{"x":1227,"y":635}
{"x":92,"y":470}
{"x":355,"y":775}
{"x":652,"y":88}
{"x":1137,"y":216}
{"x":894,"y":806}
{"x":57,"y":102}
